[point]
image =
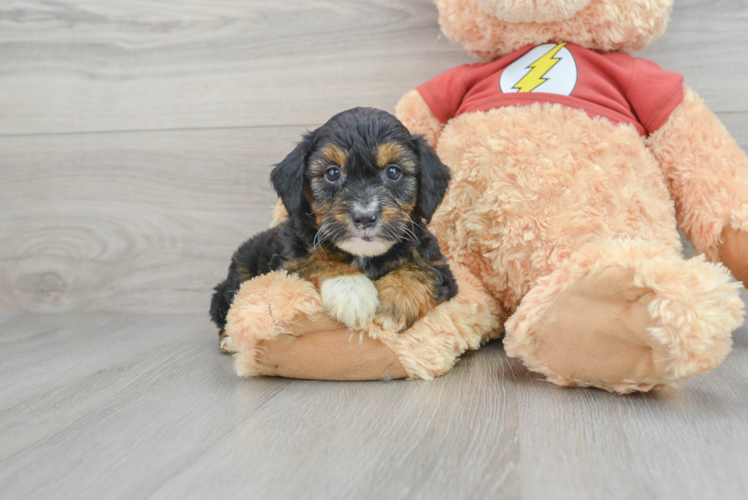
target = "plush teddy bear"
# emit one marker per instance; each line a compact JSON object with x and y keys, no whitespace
{"x":573,"y":164}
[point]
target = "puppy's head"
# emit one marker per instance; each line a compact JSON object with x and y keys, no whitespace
{"x":360,"y":181}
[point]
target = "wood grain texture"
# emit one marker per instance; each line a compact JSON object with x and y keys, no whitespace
{"x":139,"y":221}
{"x":145,"y":221}
{"x":92,"y":65}
{"x":130,"y":221}
{"x":127,"y":406}
{"x":135,"y":142}
{"x":699,"y":44}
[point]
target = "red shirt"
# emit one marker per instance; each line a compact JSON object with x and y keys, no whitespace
{"x":617,"y":86}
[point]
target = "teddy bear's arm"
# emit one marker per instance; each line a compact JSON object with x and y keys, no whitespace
{"x":416,"y":115}
{"x":707,"y":174}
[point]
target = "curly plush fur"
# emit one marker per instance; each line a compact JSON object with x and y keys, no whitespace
{"x":603,"y":24}
{"x":570,"y":221}
{"x":564,"y":227}
{"x":706,"y":172}
{"x":272,"y":313}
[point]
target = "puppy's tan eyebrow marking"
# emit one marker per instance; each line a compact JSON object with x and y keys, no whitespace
{"x":387,"y":153}
{"x":391,"y":152}
{"x":334,"y":154}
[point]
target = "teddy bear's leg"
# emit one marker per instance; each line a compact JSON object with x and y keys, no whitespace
{"x":322,"y":349}
{"x":626,"y":315}
{"x":303,"y":354}
{"x":278,"y":327}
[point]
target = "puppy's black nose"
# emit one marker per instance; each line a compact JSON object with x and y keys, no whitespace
{"x":365,"y":220}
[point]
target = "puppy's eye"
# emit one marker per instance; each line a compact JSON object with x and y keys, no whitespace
{"x":332,"y":174}
{"x":393,"y":172}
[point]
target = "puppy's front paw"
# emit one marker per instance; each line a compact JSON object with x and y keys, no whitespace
{"x":401,"y":302}
{"x":352,"y":300}
{"x":396,"y":317}
{"x":226,"y":343}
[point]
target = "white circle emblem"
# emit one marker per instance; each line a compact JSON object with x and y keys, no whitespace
{"x":549,"y":68}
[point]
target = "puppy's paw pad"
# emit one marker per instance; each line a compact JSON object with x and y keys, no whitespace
{"x":352,"y":300}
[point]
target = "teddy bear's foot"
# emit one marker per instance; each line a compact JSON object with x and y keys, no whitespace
{"x":625,"y":317}
{"x":597,"y":330}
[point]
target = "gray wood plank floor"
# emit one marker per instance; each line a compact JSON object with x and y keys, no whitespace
{"x":125,"y":406}
{"x":136,"y":137}
{"x":135,"y":141}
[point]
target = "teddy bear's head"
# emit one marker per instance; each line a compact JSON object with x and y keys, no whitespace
{"x":494,"y":28}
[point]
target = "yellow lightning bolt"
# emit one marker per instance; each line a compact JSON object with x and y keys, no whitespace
{"x":534,"y":78}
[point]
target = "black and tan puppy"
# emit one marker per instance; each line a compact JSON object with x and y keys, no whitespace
{"x":359,"y":192}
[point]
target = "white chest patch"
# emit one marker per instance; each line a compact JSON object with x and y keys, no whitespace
{"x":549,"y":68}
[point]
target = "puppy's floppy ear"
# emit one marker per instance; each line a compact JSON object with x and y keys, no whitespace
{"x":433,"y":179}
{"x":288,"y":176}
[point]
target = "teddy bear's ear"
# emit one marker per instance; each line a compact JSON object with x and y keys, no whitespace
{"x":433,"y":179}
{"x":288,"y":176}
